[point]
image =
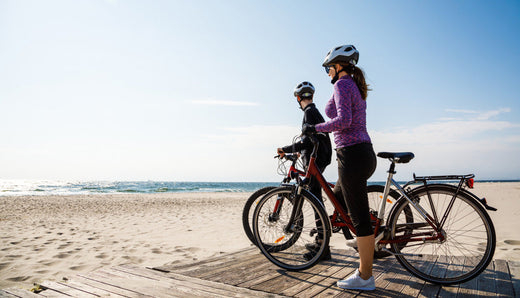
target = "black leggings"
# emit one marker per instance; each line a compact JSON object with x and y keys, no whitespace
{"x":356,"y":164}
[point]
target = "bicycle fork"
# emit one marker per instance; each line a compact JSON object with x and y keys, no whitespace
{"x":296,"y":210}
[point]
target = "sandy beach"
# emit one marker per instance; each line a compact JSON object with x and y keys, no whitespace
{"x":55,"y":237}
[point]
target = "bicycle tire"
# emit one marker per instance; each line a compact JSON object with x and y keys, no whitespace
{"x":277,"y":246}
{"x":270,"y":233}
{"x":249,"y":208}
{"x":456,"y":259}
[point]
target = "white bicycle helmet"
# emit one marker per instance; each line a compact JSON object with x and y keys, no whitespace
{"x":304,"y":90}
{"x":346,"y":54}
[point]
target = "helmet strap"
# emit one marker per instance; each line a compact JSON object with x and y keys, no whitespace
{"x":336,"y":77}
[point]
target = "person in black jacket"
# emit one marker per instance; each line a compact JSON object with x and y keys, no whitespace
{"x":304,"y":93}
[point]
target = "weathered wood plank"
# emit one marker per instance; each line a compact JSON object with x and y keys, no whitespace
{"x":469,"y":288}
{"x":64,"y":289}
{"x":486,"y":282}
{"x":503,"y":278}
{"x":286,"y":279}
{"x":439,"y":267}
{"x":242,"y":274}
{"x":213,"y":287}
{"x":221,"y":260}
{"x":380,"y":271}
{"x":316,"y":284}
{"x":232,"y":265}
{"x":414,"y":285}
{"x":100,"y":283}
{"x":393,"y":281}
{"x":95,"y":291}
{"x":16,"y":292}
{"x":151,"y":286}
{"x":341,"y":261}
{"x":327,"y":286}
{"x":454,"y":268}
{"x":6,"y":294}
{"x":344,"y":263}
{"x":514,"y":270}
{"x":259,"y":277}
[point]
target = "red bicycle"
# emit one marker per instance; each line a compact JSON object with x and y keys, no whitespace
{"x":292,"y":173}
{"x":439,"y":232}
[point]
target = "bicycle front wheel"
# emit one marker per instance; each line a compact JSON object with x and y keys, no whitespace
{"x":249,"y":208}
{"x":468,"y":242}
{"x":292,"y":244}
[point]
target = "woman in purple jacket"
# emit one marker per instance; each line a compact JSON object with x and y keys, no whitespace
{"x":356,"y":158}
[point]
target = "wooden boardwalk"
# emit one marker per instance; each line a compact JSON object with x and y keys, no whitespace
{"x":248,"y":273}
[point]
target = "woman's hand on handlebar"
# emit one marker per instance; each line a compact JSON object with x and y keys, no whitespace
{"x":280,"y":152}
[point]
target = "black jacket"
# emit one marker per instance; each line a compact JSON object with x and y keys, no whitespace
{"x":312,"y":116}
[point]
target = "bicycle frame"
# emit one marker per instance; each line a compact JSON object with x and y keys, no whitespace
{"x":313,"y":171}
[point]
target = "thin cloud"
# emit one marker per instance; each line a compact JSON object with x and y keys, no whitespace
{"x":214,"y":102}
{"x":478,"y":143}
{"x":485,"y":115}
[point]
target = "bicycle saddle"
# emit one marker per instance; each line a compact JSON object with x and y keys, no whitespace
{"x":398,"y":157}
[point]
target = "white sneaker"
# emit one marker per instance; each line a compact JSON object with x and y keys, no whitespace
{"x":355,"y":282}
{"x":352,"y":243}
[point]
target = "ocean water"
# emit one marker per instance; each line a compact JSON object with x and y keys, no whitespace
{"x":47,"y":187}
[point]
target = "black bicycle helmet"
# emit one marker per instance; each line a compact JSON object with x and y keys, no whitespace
{"x":304,"y":90}
{"x":347,"y":54}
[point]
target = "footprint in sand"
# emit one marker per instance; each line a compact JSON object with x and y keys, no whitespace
{"x":77,"y":268}
{"x":18,"y":278}
{"x":62,"y":255}
{"x":101,"y":256}
{"x":13,"y":256}
{"x":512,"y":242}
{"x":64,"y":245}
{"x":42,"y":271}
{"x":4,"y":265}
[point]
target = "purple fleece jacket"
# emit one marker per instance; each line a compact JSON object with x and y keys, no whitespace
{"x":347,"y":112}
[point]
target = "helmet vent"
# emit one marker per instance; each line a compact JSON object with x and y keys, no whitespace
{"x":348,"y":49}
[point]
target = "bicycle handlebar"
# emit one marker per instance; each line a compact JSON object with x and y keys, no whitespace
{"x":288,"y":156}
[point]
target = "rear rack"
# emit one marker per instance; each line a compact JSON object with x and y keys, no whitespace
{"x":443,"y":177}
{"x":462,"y":179}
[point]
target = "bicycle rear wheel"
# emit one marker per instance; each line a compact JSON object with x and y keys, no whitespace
{"x":249,"y":208}
{"x":286,"y":244}
{"x":469,"y":236}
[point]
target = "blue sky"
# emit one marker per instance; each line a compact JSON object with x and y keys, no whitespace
{"x":202,"y":90}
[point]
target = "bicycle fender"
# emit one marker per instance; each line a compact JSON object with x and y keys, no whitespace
{"x":482,"y":201}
